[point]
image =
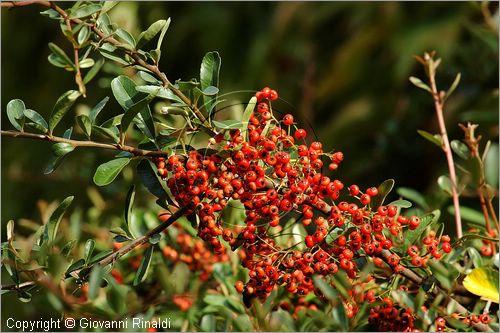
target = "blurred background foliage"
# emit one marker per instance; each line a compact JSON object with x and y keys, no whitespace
{"x":342,"y":68}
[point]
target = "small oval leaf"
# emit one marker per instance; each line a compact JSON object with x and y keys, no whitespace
{"x":142,"y":272}
{"x":108,"y":171}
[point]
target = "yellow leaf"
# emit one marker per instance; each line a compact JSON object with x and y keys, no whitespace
{"x":483,"y":282}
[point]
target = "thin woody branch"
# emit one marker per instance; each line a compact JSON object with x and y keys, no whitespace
{"x":82,"y":143}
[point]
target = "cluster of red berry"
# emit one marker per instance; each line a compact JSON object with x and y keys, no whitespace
{"x":194,"y":254}
{"x":391,"y":317}
{"x":277,"y":178}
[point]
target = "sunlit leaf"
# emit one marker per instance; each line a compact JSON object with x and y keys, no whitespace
{"x":483,"y":282}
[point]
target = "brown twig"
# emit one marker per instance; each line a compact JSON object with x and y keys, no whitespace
{"x":439,"y":108}
{"x":81,"y":143}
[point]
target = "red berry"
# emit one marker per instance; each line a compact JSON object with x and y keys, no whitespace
{"x":288,"y":119}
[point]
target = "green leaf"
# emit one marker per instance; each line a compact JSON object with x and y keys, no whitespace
{"x":86,"y":10}
{"x":161,"y":92}
{"x":15,"y":113}
{"x":453,"y":86}
{"x":95,"y":281}
{"x":55,"y":218}
{"x":130,"y":99}
{"x":89,"y":249}
{"x":210,"y":91}
{"x":125,"y":36}
{"x":483,"y":282}
{"x":491,"y":166}
{"x":53,"y":164}
{"x":435,"y":139}
{"x":87,"y":63}
{"x":57,"y":61}
{"x":383,"y":190}
{"x":85,"y":124}
{"x":162,"y":35}
{"x":227,"y":124}
{"x":460,"y":149}
{"x":414,"y":196}
{"x":151,"y":32}
{"x":208,"y":323}
{"x":325,"y":288}
{"x":147,"y":78}
{"x":74,"y":266}
{"x":83,"y":35}
{"x":401,"y":203}
{"x":468,"y":214}
{"x":36,"y":118}
{"x":108,"y":5}
{"x":144,"y":121}
{"x":61,"y":107}
{"x":62,"y":148}
{"x":412,"y":235}
{"x":132,"y":112}
{"x":61,"y":55}
{"x":129,"y":205}
{"x":93,"y":71}
{"x":150,"y":180}
{"x":417,"y":82}
{"x":248,"y":113}
{"x":142,"y":272}
{"x":106,"y":132}
{"x":445,"y":184}
{"x":209,"y":76}
{"x":94,"y":112}
{"x":50,"y":13}
{"x":108,"y":171}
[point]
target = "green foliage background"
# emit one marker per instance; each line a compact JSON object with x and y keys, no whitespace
{"x":342,"y":67}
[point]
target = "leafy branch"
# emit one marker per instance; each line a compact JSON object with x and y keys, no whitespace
{"x":439,"y":97}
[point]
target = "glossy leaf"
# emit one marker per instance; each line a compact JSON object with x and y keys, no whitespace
{"x":208,"y":323}
{"x":55,"y":218}
{"x":87,"y":63}
{"x":209,"y":75}
{"x":89,"y":249}
{"x":93,"y":71}
{"x":150,"y":180}
{"x":62,"y":148}
{"x":15,"y":113}
{"x":53,"y":164}
{"x":85,"y":124}
{"x":460,"y":149}
{"x":108,"y":171}
{"x":76,"y":265}
{"x":94,"y":112}
{"x":162,"y":35}
{"x":483,"y":282}
{"x":125,"y":36}
{"x":86,"y":10}
{"x":61,"y":107}
{"x":435,"y":139}
{"x":36,"y":118}
{"x":129,"y":205}
{"x":95,"y":281}
{"x":83,"y":35}
{"x":383,"y":190}
{"x":445,"y":184}
{"x":150,"y":33}
{"x":143,"y":269}
{"x":161,"y":92}
{"x":227,"y":124}
{"x":106,"y":132}
{"x":61,"y":55}
{"x":412,"y":235}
